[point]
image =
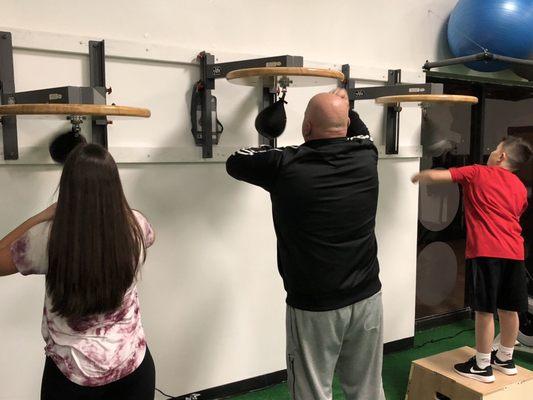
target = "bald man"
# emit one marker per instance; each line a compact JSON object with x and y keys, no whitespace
{"x":324,"y":198}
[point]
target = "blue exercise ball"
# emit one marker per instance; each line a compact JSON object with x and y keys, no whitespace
{"x":503,"y":27}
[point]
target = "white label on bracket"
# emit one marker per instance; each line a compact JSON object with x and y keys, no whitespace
{"x":55,"y":96}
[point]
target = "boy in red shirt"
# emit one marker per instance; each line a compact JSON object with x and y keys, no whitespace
{"x":494,"y":200}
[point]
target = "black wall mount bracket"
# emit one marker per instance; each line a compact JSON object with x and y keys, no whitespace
{"x":206,"y":132}
{"x":393,"y":87}
{"x":94,"y":94}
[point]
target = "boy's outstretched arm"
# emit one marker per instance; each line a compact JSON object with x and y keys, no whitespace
{"x":433,"y":176}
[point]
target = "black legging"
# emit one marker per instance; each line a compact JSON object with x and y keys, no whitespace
{"x":139,"y":385}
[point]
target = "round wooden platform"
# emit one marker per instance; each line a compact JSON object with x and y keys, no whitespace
{"x":73,"y":109}
{"x":427,"y":98}
{"x":285,"y":76}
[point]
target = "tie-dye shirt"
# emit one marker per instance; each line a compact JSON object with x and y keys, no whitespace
{"x":100,"y":349}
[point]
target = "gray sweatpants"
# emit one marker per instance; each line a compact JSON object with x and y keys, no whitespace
{"x":348,"y":341}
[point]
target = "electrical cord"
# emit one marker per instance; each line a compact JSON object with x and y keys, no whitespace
{"x":444,"y":338}
{"x":164,"y":394}
{"x":193,"y":396}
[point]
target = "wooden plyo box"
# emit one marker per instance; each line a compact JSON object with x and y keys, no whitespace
{"x":434,"y":378}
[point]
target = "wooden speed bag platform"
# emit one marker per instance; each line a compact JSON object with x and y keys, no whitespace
{"x":285,"y":76}
{"x":434,"y":378}
{"x":427,"y":98}
{"x":73,"y":109}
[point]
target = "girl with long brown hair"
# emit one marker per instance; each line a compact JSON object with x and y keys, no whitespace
{"x":90,"y":246}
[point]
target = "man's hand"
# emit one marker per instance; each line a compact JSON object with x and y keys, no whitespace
{"x":341,"y":92}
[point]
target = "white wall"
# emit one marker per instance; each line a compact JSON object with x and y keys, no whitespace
{"x":212,"y":302}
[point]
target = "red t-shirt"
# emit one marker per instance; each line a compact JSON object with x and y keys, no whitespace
{"x":494,"y":200}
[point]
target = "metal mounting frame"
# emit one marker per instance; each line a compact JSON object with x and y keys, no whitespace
{"x":392,"y":88}
{"x":94,"y":94}
{"x":486,"y":56}
{"x":7,"y":85}
{"x":97,"y":82}
{"x":210,"y":71}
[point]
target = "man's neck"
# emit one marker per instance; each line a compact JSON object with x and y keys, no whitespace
{"x":333,"y":134}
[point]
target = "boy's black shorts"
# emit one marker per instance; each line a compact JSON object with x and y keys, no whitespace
{"x":496,"y":283}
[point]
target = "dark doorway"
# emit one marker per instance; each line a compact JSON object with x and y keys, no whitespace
{"x":454,"y":136}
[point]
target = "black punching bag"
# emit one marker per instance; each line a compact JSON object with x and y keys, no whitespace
{"x":62,"y":145}
{"x":271,"y":122}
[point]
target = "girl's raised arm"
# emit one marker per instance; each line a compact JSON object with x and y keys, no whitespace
{"x":7,"y":266}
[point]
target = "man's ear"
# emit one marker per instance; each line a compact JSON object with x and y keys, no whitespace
{"x":306,"y":129}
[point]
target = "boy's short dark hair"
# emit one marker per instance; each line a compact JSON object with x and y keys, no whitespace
{"x":518,"y":151}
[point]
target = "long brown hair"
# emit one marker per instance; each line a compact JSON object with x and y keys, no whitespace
{"x":96,"y":245}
